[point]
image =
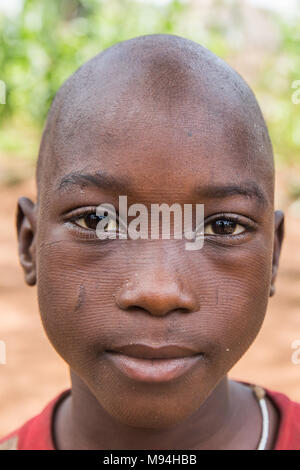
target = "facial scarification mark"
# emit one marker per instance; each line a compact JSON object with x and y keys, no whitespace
{"x":80,"y":299}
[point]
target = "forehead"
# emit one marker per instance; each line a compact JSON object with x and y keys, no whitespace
{"x":156,"y":150}
{"x":160,"y":122}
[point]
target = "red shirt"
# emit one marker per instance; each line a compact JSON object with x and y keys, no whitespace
{"x":36,"y":434}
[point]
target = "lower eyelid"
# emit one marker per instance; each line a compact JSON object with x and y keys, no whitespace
{"x":226,"y":240}
{"x":80,"y":232}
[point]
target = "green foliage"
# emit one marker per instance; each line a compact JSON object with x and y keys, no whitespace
{"x":275,"y":90}
{"x":48,"y":40}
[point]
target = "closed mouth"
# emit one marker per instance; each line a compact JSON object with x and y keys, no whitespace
{"x":145,"y":351}
{"x":146,"y":363}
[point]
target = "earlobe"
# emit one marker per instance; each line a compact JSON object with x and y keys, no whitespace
{"x":26,"y":229}
{"x":278,"y":238}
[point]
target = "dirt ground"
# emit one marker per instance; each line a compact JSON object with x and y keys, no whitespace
{"x":34,"y":373}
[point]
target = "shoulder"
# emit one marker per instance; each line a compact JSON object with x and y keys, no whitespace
{"x":288,"y":434}
{"x":36,"y":433}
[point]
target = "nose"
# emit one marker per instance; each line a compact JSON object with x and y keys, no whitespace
{"x":157,"y":293}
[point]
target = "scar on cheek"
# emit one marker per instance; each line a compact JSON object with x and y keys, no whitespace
{"x":80,"y":298}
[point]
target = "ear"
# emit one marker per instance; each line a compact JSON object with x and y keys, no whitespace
{"x":278,"y":237}
{"x":26,"y":230}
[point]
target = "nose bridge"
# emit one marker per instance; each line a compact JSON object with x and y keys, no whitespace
{"x":158,"y":289}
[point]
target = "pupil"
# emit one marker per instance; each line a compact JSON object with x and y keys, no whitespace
{"x":92,"y":220}
{"x":223,"y":226}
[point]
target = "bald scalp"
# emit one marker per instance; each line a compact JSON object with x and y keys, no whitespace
{"x":162,"y":74}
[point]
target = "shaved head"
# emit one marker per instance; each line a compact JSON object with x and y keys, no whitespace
{"x":144,"y":82}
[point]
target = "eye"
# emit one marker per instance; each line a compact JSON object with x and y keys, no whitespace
{"x":223,"y":226}
{"x":91,"y":220}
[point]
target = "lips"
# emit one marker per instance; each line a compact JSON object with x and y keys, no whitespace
{"x":145,"y":363}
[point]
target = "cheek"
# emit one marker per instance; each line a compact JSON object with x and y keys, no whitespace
{"x":239,"y":292}
{"x":76,"y":297}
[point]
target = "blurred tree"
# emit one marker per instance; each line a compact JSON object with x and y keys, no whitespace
{"x":47,"y":41}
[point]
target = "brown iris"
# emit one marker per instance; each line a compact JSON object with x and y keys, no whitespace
{"x":224,"y":227}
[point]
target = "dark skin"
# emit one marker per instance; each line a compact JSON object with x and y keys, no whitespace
{"x":160,"y":119}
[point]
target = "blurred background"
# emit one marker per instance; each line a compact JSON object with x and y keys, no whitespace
{"x":41,"y":44}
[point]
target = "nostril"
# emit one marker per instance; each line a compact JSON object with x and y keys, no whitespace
{"x":182,"y":310}
{"x":136,"y":308}
{"x":139,"y":309}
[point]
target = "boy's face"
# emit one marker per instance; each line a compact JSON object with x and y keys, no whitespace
{"x":96,"y":296}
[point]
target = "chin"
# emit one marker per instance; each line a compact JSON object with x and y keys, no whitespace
{"x":150,"y":417}
{"x":154,"y":408}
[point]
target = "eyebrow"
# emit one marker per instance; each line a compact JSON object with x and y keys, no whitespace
{"x":97,"y":179}
{"x":249,"y":189}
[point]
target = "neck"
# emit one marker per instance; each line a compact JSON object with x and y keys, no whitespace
{"x":82,"y":423}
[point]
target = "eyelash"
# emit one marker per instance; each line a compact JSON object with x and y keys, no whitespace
{"x":227,"y":239}
{"x":79,"y":214}
{"x":240,"y":220}
{"x":71,"y":218}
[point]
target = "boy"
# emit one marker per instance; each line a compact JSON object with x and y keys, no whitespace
{"x":149,"y":329}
